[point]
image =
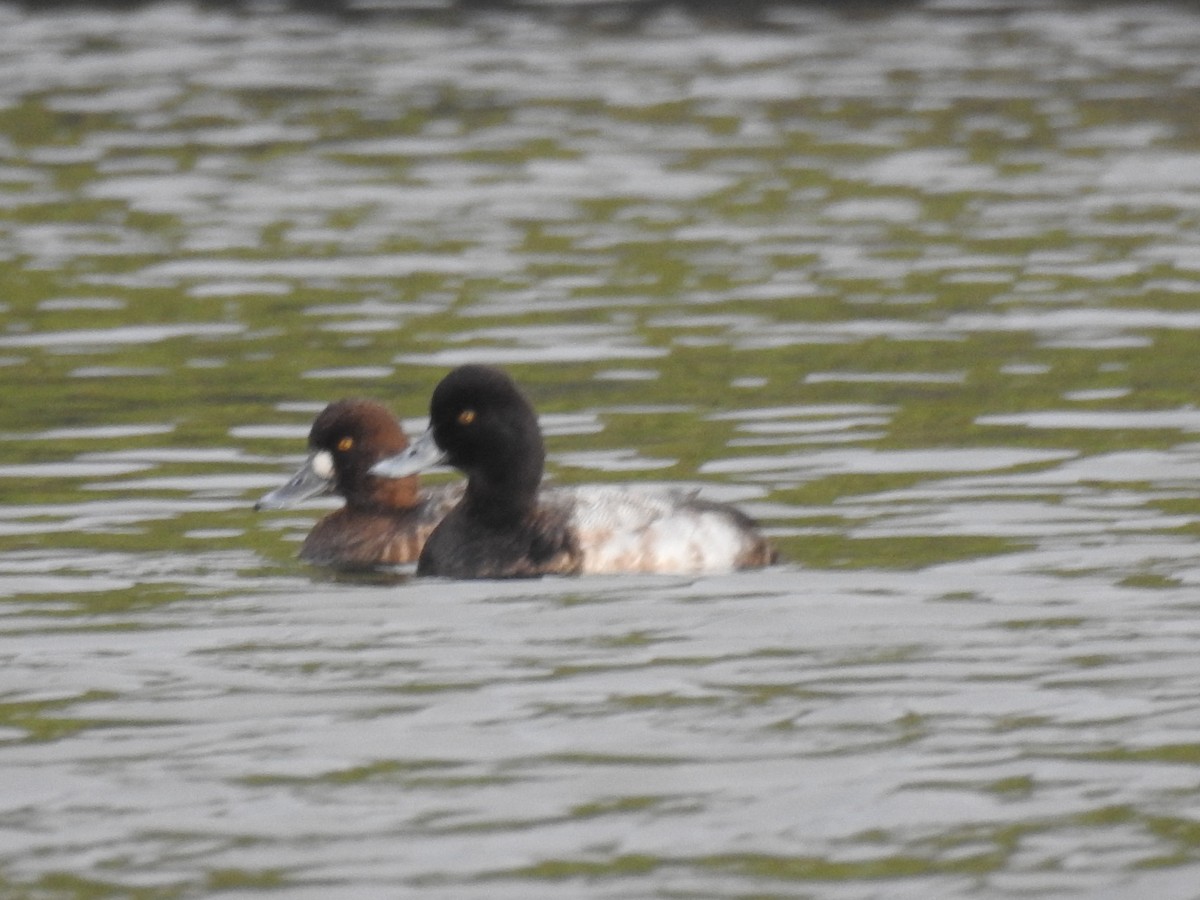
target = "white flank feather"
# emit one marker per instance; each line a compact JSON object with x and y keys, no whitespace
{"x":626,"y":530}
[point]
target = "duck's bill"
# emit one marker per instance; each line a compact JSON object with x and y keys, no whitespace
{"x":314,"y":479}
{"x":420,"y":455}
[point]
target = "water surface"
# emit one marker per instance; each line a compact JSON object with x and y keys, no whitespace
{"x":917,"y":288}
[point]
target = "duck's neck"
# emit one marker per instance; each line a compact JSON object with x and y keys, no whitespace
{"x":505,"y":488}
{"x":387,"y":494}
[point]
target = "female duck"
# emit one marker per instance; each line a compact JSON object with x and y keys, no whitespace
{"x":507,"y":526}
{"x":385,"y":521}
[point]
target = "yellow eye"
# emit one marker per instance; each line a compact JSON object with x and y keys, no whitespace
{"x":466,"y":417}
{"x":345,"y":444}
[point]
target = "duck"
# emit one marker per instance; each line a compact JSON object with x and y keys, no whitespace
{"x":385,"y":521}
{"x":508,"y":525}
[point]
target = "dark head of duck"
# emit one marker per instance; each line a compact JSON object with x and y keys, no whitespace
{"x":488,"y":429}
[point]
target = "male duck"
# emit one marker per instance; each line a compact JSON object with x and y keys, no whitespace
{"x":507,"y":526}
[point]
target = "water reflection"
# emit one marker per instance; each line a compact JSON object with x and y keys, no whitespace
{"x":915,"y":287}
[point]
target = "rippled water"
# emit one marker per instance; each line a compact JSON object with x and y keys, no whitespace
{"x":918,"y":287}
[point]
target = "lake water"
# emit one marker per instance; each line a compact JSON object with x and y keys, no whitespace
{"x":918,"y":287}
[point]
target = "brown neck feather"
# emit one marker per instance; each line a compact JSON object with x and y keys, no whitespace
{"x":396,"y":492}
